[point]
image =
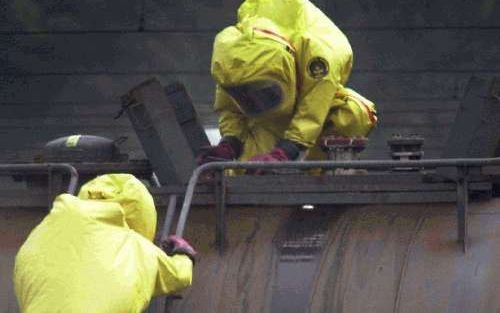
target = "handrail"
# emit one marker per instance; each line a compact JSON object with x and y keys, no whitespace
{"x":460,"y":163}
{"x":41,"y":167}
{"x":368,"y":164}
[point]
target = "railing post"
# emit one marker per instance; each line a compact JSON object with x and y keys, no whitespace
{"x":169,"y":216}
{"x":220,"y":202}
{"x":50,"y":187}
{"x":462,"y":205}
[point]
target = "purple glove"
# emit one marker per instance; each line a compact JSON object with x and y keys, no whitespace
{"x":228,"y":149}
{"x":177,"y":245}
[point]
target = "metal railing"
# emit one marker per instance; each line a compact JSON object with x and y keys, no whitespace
{"x":462,"y":166}
{"x":36,"y":168}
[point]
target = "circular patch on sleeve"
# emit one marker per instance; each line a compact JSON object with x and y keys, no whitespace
{"x":317,"y":67}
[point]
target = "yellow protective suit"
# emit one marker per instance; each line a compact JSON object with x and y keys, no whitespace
{"x":291,"y":42}
{"x":94,"y":253}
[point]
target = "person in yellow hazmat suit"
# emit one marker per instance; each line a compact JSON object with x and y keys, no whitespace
{"x":281,"y":77}
{"x":94,"y":253}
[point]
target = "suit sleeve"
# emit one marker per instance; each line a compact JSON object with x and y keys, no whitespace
{"x":174,"y":273}
{"x":319,"y":79}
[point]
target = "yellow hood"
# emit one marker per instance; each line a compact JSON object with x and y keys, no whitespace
{"x":249,"y":54}
{"x":127,"y":191}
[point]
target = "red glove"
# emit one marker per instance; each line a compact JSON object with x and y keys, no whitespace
{"x":276,"y":155}
{"x":220,"y":152}
{"x":228,"y":149}
{"x":177,"y":245}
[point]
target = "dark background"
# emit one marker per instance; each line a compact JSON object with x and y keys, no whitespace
{"x":64,"y":64}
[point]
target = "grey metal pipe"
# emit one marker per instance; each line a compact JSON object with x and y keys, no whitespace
{"x":169,"y":217}
{"x":368,"y":164}
{"x":42,"y":167}
{"x":462,"y":207}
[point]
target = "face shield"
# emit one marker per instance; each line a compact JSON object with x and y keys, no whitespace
{"x":257,"y":97}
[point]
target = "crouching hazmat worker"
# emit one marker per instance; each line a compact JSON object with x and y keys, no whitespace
{"x":281,"y":77}
{"x":94,"y":253}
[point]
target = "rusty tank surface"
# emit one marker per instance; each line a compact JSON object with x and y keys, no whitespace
{"x":390,"y":258}
{"x":385,"y":258}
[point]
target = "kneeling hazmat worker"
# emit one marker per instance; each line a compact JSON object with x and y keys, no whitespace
{"x":94,"y":253}
{"x":281,"y":75}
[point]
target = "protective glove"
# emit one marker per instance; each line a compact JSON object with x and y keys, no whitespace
{"x":276,"y":155}
{"x":177,"y":245}
{"x":229,"y":148}
{"x":285,"y":150}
